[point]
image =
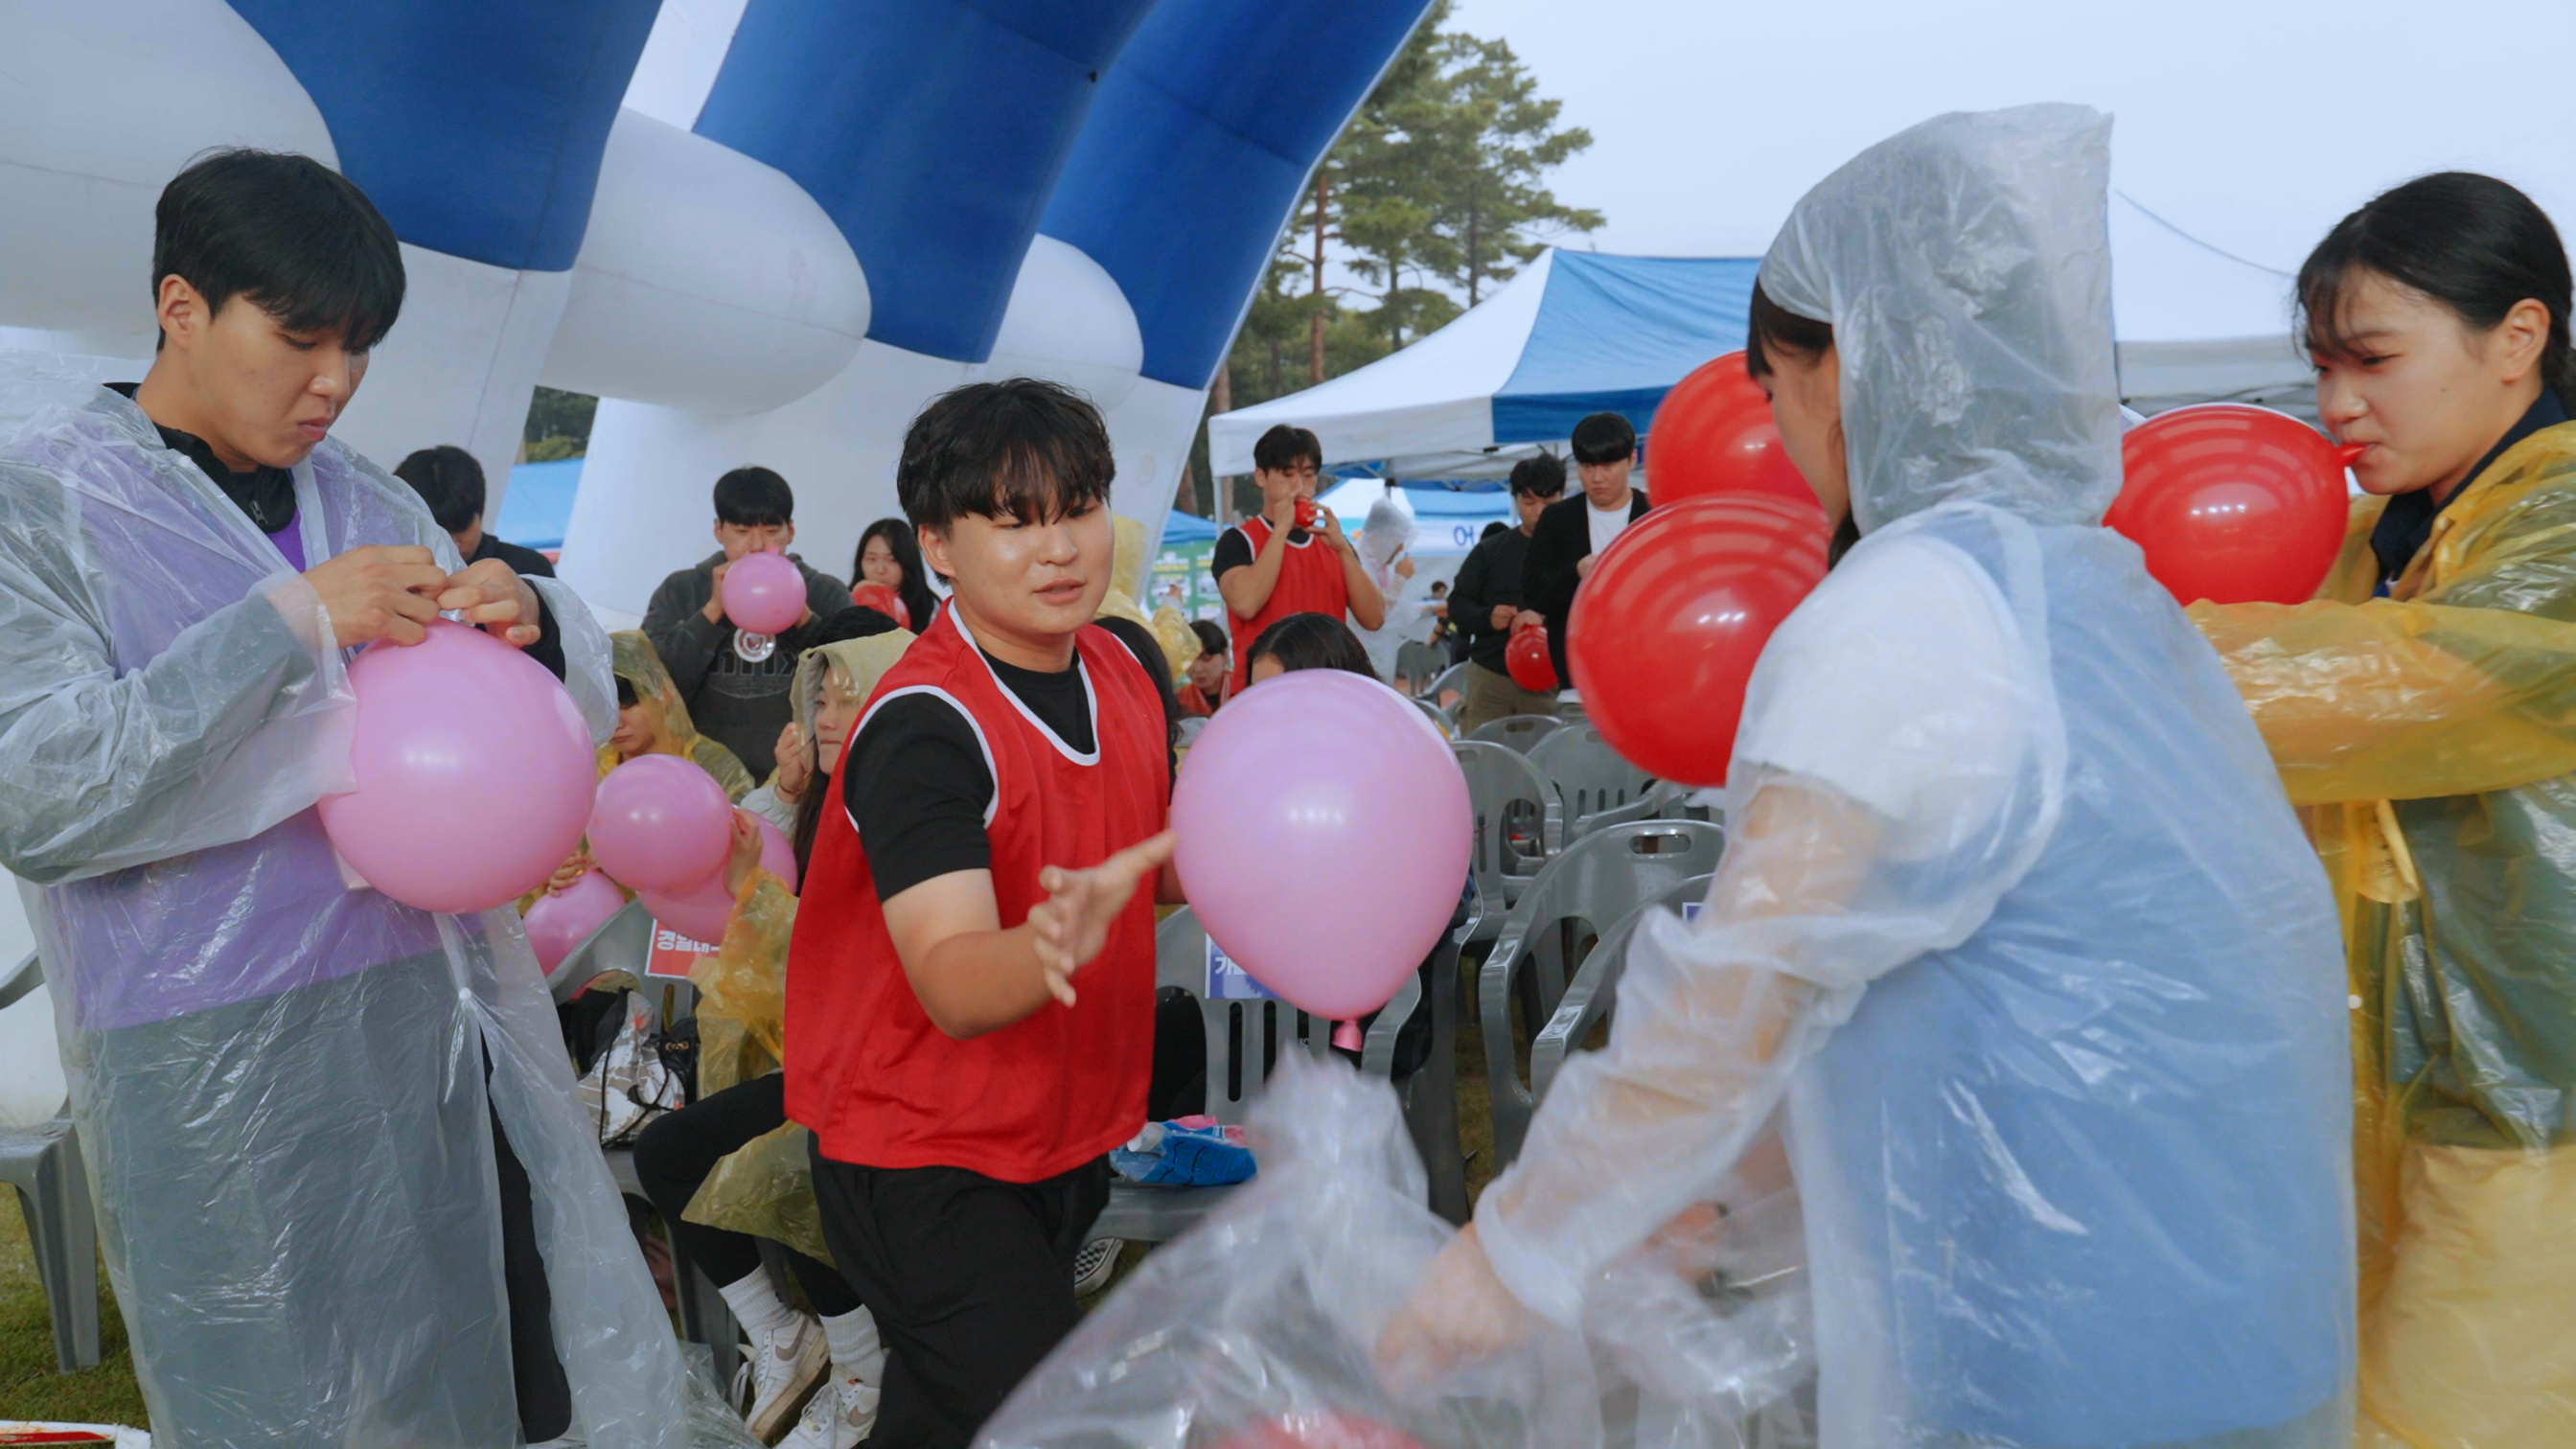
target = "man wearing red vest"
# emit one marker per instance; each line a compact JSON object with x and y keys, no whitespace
{"x":970,"y":990}
{"x":1273,"y":566}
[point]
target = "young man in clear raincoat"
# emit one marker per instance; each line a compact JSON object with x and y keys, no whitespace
{"x":2013,"y":918}
{"x":303,"y":1105}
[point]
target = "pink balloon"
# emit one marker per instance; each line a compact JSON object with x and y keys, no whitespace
{"x":560,"y":922}
{"x":764,"y":593}
{"x":777,"y":853}
{"x":474,"y":772}
{"x":702,"y":911}
{"x":662,"y":824}
{"x":1324,"y":830}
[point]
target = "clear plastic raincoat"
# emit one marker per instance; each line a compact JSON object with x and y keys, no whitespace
{"x":2012,"y":918}
{"x":635,"y":660}
{"x":2431,"y":736}
{"x":284,"y":1086}
{"x":1384,"y":536}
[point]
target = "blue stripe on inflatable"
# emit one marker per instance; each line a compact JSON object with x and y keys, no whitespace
{"x":475,"y":126}
{"x":1613,"y":334}
{"x":932,"y":132}
{"x":1196,"y":152}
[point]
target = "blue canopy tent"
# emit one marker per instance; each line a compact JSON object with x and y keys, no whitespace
{"x":1575,"y":333}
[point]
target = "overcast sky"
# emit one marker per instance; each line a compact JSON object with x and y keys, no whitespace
{"x":2252,"y":124}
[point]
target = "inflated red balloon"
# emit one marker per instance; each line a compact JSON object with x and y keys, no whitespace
{"x":1666,"y":629}
{"x":2232,"y":503}
{"x":1713,"y":434}
{"x":882,"y":599}
{"x":1322,"y":1431}
{"x":1526,"y":657}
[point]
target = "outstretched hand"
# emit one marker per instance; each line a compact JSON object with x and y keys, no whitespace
{"x":1456,"y":1313}
{"x":1072,"y":923}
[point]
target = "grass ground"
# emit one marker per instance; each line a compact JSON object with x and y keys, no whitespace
{"x":31,"y":1387}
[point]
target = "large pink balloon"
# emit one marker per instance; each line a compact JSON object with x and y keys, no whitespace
{"x":1324,"y":831}
{"x":560,"y":922}
{"x":662,"y":824}
{"x":702,"y":911}
{"x":764,"y":592}
{"x":474,"y":772}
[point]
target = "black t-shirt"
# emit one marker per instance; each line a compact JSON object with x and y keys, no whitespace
{"x":1234,"y":550}
{"x":916,"y":785}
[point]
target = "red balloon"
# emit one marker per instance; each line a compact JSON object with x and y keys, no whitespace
{"x":1666,"y":629}
{"x":1526,"y":657}
{"x":1713,"y":434}
{"x":1322,"y":1431}
{"x":2232,"y":503}
{"x":882,"y":599}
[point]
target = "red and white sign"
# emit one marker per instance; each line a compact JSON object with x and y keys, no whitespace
{"x":673,"y":953}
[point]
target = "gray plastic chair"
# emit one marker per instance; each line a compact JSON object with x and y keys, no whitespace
{"x":44,"y":1165}
{"x":1244,"y":1040}
{"x":1453,"y":677}
{"x":1599,"y":788}
{"x":1430,"y":1096}
{"x":1670,"y":801}
{"x":1589,"y":997}
{"x":1419,"y":663}
{"x":1516,"y":731}
{"x":1509,"y":798}
{"x":1439,"y":718}
{"x":1597,"y":882}
{"x":623,"y":942}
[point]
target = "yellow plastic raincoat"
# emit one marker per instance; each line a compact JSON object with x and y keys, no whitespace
{"x":767,"y":1188}
{"x":2431,"y":738}
{"x":636,"y":662}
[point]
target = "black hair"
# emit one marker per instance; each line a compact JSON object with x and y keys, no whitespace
{"x":2470,"y":242}
{"x":1020,"y":448}
{"x":850,"y":623}
{"x":1770,"y":327}
{"x":1495,"y":527}
{"x":1604,"y":438}
{"x":1212,"y":640}
{"x":1285,"y":447}
{"x":905,"y":541}
{"x":626,"y":695}
{"x":754,"y":497}
{"x":447,"y":479}
{"x":1310,"y":641}
{"x":1544,"y":475}
{"x":297,"y":239}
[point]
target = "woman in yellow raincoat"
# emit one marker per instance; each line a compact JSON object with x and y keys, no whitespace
{"x":2423,"y":709}
{"x":828,"y":1364}
{"x":651,"y":720}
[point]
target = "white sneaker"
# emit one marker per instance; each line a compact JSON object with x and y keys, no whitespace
{"x":786,"y":1365}
{"x":839,"y":1417}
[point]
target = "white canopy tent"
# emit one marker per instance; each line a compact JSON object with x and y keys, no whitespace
{"x":2194,"y":324}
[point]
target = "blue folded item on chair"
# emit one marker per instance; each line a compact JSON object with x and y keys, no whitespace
{"x":1190,"y":1152}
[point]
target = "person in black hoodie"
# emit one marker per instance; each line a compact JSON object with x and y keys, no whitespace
{"x":1485,"y":600}
{"x":734,"y":681}
{"x":1570,"y":534}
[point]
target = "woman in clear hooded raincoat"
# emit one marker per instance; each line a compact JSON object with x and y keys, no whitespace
{"x":2012,"y":915}
{"x":2423,"y":709}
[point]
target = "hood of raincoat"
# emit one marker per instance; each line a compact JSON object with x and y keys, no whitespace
{"x":863,"y":660}
{"x":1965,"y":265}
{"x":633,"y":659}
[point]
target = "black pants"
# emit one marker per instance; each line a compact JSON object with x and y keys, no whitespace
{"x":970,"y":1280}
{"x":673,"y":1156}
{"x":545,"y":1397}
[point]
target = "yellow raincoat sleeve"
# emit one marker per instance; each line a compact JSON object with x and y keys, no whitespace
{"x":742,"y":988}
{"x":2462,"y":684}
